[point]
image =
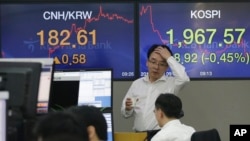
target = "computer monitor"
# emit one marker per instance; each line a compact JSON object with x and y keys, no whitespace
{"x":21,"y":79}
{"x":45,"y":80}
{"x":81,"y":87}
{"x":4,"y":96}
{"x":108,"y":114}
{"x":15,"y":80}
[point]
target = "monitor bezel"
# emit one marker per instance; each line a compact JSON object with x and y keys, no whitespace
{"x":33,"y":69}
{"x":44,"y":62}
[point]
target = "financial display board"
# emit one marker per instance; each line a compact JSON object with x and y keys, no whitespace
{"x":76,"y":35}
{"x":209,"y":39}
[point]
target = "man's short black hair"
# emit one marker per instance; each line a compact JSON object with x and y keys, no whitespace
{"x":57,"y":124}
{"x":92,"y":115}
{"x":170,"y":104}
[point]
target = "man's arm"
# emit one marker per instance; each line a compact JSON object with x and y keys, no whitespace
{"x":126,"y":108}
{"x":179,"y":73}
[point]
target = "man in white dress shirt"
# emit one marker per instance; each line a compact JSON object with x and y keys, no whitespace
{"x":140,"y":98}
{"x":167,"y":112}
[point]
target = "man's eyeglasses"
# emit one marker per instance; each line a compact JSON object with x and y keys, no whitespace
{"x":160,"y":64}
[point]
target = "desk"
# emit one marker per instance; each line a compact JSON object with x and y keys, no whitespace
{"x":130,"y":136}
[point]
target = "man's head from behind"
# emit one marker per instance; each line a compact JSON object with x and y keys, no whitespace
{"x":94,"y":120}
{"x":58,"y":126}
{"x":168,"y":106}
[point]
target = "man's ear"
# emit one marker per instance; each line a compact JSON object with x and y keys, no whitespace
{"x":91,"y":132}
{"x":161,"y":113}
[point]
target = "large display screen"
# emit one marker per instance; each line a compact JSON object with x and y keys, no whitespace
{"x":209,"y":39}
{"x":77,"y":36}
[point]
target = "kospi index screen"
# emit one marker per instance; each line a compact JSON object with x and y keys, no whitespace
{"x":210,"y":39}
{"x":76,"y":35}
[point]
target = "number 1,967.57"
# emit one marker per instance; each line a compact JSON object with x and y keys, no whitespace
{"x":201,"y":36}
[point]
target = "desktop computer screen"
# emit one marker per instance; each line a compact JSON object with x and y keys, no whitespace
{"x":81,"y":87}
{"x":109,"y":119}
{"x":45,"y":80}
{"x":21,"y":79}
{"x":4,"y":95}
{"x":45,"y":85}
{"x":95,"y":88}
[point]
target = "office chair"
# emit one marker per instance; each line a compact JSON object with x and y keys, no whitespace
{"x":206,"y":135}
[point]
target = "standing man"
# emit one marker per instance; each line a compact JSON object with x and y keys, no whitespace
{"x":140,"y":98}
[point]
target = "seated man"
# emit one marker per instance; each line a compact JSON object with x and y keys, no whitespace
{"x":60,"y":126}
{"x":168,"y":110}
{"x":94,"y":120}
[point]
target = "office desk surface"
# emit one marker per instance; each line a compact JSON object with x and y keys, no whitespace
{"x":130,"y":136}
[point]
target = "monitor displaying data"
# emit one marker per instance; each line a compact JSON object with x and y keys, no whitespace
{"x":4,"y":95}
{"x":76,"y":35}
{"x":95,"y":88}
{"x":209,"y":39}
{"x":82,"y":87}
{"x":109,"y":120}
